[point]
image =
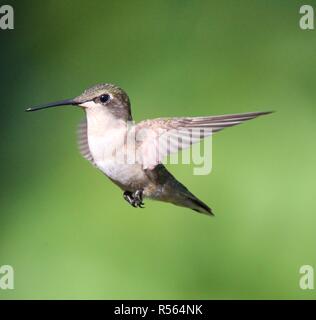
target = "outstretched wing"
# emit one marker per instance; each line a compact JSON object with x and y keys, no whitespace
{"x":157,"y":138}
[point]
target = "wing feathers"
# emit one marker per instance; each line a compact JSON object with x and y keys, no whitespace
{"x":83,"y":141}
{"x":169,"y":135}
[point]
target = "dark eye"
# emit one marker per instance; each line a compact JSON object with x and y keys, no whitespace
{"x":104,"y":98}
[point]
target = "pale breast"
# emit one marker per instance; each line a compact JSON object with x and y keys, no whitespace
{"x":107,"y":144}
{"x":110,"y":156}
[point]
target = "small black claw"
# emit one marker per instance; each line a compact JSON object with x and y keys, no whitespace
{"x":135,"y":199}
{"x":138,"y":198}
{"x":128,"y":196}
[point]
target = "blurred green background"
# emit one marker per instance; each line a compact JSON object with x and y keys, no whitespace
{"x":66,"y":229}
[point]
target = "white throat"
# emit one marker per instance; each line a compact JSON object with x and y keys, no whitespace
{"x":107,"y":144}
{"x":105,"y":133}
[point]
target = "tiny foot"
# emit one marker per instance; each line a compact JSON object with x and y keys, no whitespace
{"x":138,"y":198}
{"x":135,"y":199}
{"x":128,"y":196}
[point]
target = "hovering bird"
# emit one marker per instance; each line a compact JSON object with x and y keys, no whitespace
{"x":103,"y":136}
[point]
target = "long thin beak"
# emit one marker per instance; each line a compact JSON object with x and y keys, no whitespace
{"x":67,"y":102}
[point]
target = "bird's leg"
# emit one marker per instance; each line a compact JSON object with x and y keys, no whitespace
{"x":135,"y":199}
{"x":138,"y":198}
{"x":128,"y":196}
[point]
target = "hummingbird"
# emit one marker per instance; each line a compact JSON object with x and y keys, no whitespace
{"x":102,"y":135}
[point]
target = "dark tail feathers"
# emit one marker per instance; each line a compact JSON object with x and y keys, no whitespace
{"x":197,"y":205}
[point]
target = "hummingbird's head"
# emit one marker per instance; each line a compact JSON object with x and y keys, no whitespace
{"x":101,"y":98}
